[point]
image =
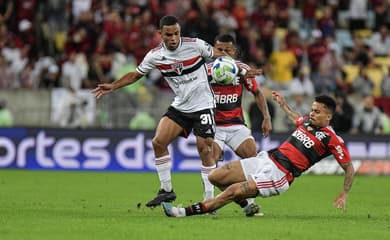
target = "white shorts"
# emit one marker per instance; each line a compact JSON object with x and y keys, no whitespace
{"x":232,"y":136}
{"x":270,"y":180}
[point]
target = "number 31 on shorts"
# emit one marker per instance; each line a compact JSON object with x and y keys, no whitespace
{"x":206,"y":119}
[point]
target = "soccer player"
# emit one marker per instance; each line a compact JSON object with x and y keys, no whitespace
{"x":272,"y":172}
{"x":182,"y":64}
{"x":231,"y":129}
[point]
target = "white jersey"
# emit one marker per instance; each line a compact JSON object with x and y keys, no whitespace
{"x":185,"y":71}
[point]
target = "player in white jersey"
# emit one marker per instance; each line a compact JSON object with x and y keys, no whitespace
{"x":182,"y":64}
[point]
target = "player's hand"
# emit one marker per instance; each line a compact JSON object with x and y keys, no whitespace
{"x":102,"y":89}
{"x":253,"y":72}
{"x":266,"y":127}
{"x":278,"y":98}
{"x":340,"y":201}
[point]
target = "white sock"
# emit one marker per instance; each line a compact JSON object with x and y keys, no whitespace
{"x":208,"y":187}
{"x":163,"y":167}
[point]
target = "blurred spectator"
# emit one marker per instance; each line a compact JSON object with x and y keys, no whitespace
{"x":359,"y":51}
{"x":50,"y":77}
{"x":6,"y":117}
{"x":358,"y":13}
{"x":225,"y":21}
{"x":265,"y":21}
{"x":382,"y":14}
{"x":362,"y":84}
{"x":6,"y":9}
{"x":199,"y":26}
{"x":295,"y":45}
{"x":343,"y":85}
{"x":5,"y":76}
{"x":309,"y":8}
{"x":302,"y":83}
{"x":72,"y":104}
{"x":26,"y":77}
{"x":142,"y":120}
{"x":25,"y":10}
{"x":386,"y":124}
{"x":330,"y":68}
{"x":326,"y":23}
{"x":73,"y":72}
{"x":316,"y":50}
{"x":282,"y":63}
{"x":40,"y":70}
{"x":385,"y":84}
{"x":379,"y":42}
{"x":367,"y":118}
{"x":342,"y":118}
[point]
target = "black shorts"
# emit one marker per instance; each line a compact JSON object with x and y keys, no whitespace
{"x":202,"y":122}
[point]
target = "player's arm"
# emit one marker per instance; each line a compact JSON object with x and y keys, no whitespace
{"x":106,"y":88}
{"x":341,"y":199}
{"x":278,"y":97}
{"x":261,"y":102}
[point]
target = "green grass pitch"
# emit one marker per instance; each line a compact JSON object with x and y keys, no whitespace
{"x":109,"y":205}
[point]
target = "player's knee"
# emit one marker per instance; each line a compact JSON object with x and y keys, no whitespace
{"x":158,"y":145}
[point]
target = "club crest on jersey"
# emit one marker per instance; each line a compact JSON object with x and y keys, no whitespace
{"x":178,"y":68}
{"x":320,"y":135}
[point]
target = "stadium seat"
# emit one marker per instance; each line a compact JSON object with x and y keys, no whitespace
{"x":363,"y":33}
{"x":352,"y":71}
{"x":384,"y":62}
{"x":376,"y":75}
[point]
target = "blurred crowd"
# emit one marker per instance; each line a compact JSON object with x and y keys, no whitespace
{"x":306,"y":47}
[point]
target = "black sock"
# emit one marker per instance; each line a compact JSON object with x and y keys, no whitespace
{"x":197,"y":208}
{"x":242,"y":203}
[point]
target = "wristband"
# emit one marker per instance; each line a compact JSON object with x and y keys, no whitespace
{"x":243,"y":72}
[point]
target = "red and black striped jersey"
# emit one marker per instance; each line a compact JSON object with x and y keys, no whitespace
{"x":308,"y":145}
{"x":228,"y":98}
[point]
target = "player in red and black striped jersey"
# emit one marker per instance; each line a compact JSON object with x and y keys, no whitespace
{"x":231,"y":129}
{"x":229,"y":113}
{"x":271,"y":172}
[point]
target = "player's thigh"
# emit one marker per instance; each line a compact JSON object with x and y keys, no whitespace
{"x":227,"y":174}
{"x":167,"y":131}
{"x":247,"y":148}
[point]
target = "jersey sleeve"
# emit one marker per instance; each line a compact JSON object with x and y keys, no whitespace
{"x":206,"y":50}
{"x":338,"y":149}
{"x":147,"y":64}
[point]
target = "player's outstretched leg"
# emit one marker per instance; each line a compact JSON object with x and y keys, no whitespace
{"x":162,"y":196}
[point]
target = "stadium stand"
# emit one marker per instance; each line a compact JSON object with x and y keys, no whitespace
{"x":107,"y":36}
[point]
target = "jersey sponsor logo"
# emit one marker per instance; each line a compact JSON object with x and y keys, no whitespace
{"x":303,"y":138}
{"x":226,"y":98}
{"x":177,"y":82}
{"x":178,"y":68}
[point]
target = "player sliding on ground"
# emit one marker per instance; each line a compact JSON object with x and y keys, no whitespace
{"x":272,"y":172}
